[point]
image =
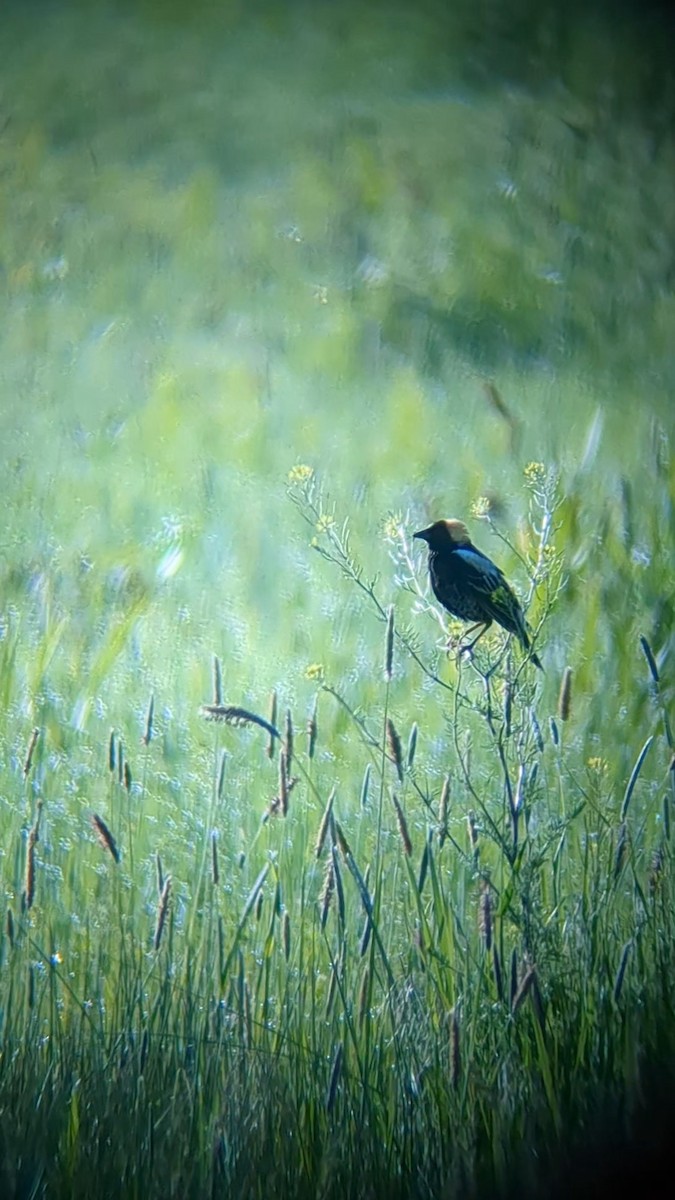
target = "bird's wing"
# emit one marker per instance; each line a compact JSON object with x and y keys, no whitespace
{"x":478,"y":569}
{"x":491,"y":589}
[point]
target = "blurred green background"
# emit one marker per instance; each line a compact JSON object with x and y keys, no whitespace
{"x":234,"y":238}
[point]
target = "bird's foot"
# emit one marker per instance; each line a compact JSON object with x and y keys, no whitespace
{"x":464,"y":650}
{"x":453,"y":646}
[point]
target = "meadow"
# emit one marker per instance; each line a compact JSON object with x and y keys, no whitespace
{"x":299,"y":900}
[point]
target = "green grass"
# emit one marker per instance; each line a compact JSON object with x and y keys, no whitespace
{"x":248,"y":323}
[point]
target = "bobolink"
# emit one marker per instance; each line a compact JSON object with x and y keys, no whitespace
{"x":469,"y":585}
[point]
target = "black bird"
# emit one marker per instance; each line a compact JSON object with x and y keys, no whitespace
{"x":469,"y":585}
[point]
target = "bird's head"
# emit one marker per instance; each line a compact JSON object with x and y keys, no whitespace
{"x":445,"y":535}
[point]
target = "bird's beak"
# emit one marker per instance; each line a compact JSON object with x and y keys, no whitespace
{"x":423,"y":534}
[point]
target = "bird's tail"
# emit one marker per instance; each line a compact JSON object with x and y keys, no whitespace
{"x":527,"y":646}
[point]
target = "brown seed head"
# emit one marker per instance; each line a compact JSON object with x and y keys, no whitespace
{"x":104,"y":836}
{"x":402,"y":826}
{"x":29,"y":876}
{"x":283,"y":783}
{"x":394,"y":746}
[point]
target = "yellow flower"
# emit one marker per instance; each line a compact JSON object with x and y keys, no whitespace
{"x":598,"y":765}
{"x":535,"y":474}
{"x":481,"y":507}
{"x":393,"y":527}
{"x":314,"y":671}
{"x":324,"y":523}
{"x":300,"y":473}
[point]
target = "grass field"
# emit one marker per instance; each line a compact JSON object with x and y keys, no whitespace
{"x":279,"y":286}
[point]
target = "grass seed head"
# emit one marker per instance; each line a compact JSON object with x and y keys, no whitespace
{"x":104,"y":836}
{"x":283,"y":783}
{"x":29,"y":873}
{"x":394,"y":747}
{"x":402,"y":826}
{"x":234,"y":714}
{"x":288,"y":740}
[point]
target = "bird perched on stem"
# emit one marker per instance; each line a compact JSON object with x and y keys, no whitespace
{"x":470,"y":586}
